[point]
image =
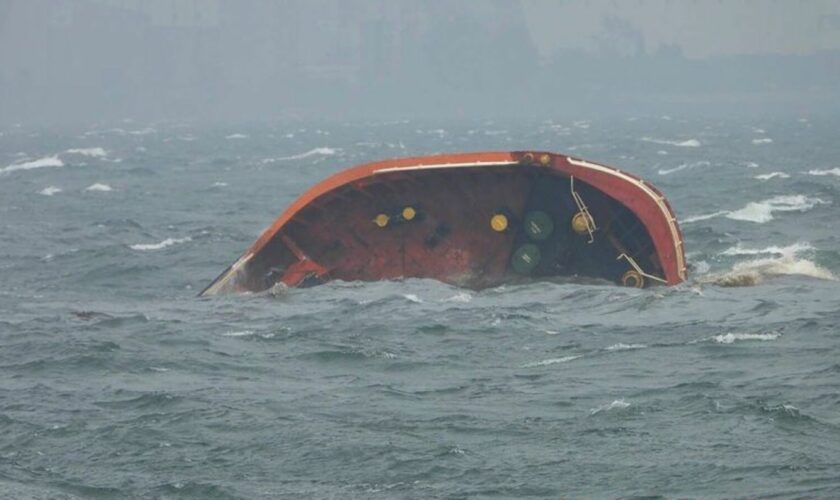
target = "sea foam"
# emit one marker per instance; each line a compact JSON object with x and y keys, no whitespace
{"x":618,"y":404}
{"x":833,"y":171}
{"x":688,"y":143}
{"x":50,"y":190}
{"x":47,"y":161}
{"x":762,"y":211}
{"x":90,"y":152}
{"x":168,"y":242}
{"x":99,"y":187}
{"x":771,"y":175}
{"x":730,"y":338}
{"x":551,"y":361}
{"x":684,"y":166}
{"x":323,"y":151}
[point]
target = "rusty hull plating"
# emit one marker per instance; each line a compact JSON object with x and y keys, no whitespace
{"x":471,"y":219}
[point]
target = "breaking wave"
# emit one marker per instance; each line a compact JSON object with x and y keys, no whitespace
{"x":731,"y":338}
{"x":91,"y":152}
{"x":618,"y":404}
{"x":762,"y":211}
{"x":789,"y":250}
{"x":834,"y":171}
{"x":236,"y":136}
{"x":47,"y":161}
{"x":762,"y":140}
{"x":168,"y":242}
{"x":684,"y":166}
{"x":99,"y":187}
{"x":689,"y":143}
{"x":312,"y":152}
{"x":771,"y":175}
{"x":50,"y":190}
{"x":625,"y":347}
{"x":551,"y":361}
{"x":781,"y":261}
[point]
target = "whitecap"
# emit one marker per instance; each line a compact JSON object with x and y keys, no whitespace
{"x":697,"y":218}
{"x":833,"y":171}
{"x":413,"y":298}
{"x":753,"y":272}
{"x":239,"y":333}
{"x":771,"y":175}
{"x":90,"y":152}
{"x":50,"y":190}
{"x":142,"y":131}
{"x":688,"y":143}
{"x":220,"y":184}
{"x":324,"y":151}
{"x":684,"y":166}
{"x":99,"y":187}
{"x":236,"y":136}
{"x":762,"y":140}
{"x":789,"y":250}
{"x":625,"y":347}
{"x":730,"y":338}
{"x":617,"y":404}
{"x":460,"y":297}
{"x":762,"y":211}
{"x":158,"y":246}
{"x":551,"y":361}
{"x":47,"y":161}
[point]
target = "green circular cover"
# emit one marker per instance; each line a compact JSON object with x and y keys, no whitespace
{"x":525,"y":258}
{"x":538,"y":225}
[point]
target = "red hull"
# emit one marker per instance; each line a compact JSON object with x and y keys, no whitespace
{"x":433,"y":217}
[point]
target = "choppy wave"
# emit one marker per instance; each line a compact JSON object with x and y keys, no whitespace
{"x":762,"y":140}
{"x":772,"y":175}
{"x":684,"y":166}
{"x":236,"y":136}
{"x":91,"y":152}
{"x":168,"y":242}
{"x":762,"y":211}
{"x":786,"y":260}
{"x":789,"y":250}
{"x":618,"y":404}
{"x":730,"y":338}
{"x":625,"y":347}
{"x":697,"y":218}
{"x":551,"y":361}
{"x":323,"y":151}
{"x":99,"y":187}
{"x":688,"y":143}
{"x":50,"y":190}
{"x":47,"y":161}
{"x":833,"y":171}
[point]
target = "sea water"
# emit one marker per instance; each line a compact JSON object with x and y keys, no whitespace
{"x":118,"y":382}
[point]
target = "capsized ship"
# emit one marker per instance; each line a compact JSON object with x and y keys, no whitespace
{"x":474,"y":220}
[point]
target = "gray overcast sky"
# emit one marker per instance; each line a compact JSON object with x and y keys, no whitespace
{"x":701,"y":28}
{"x":224,"y":60}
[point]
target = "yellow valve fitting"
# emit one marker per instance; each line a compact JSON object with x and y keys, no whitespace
{"x":499,"y":222}
{"x":408,"y":213}
{"x":545,"y":160}
{"x":580,"y":223}
{"x":633,"y":279}
{"x":381,"y":220}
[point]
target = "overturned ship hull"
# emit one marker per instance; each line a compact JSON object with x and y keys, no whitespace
{"x":474,"y":220}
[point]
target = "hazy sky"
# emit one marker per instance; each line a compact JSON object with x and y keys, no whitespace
{"x":224,"y":60}
{"x":700,"y":27}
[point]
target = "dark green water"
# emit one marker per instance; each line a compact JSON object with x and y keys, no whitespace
{"x":117,"y":382}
